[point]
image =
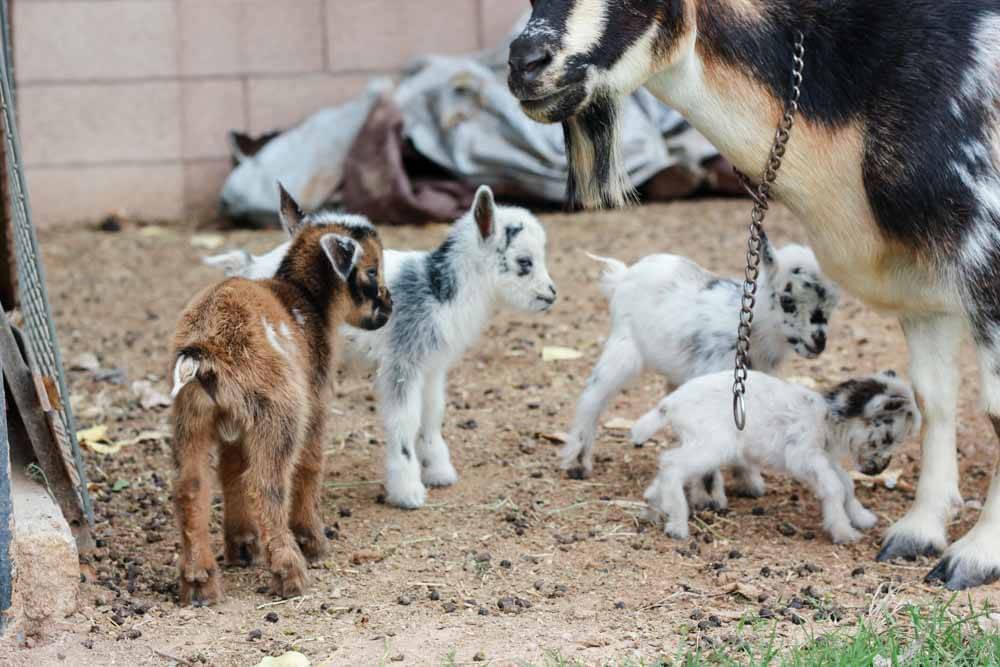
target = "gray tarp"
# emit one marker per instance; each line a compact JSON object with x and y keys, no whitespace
{"x":458,"y":113}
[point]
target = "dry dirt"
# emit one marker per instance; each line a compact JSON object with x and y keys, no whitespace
{"x":513,"y":561}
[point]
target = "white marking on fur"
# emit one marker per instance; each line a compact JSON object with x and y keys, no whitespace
{"x":584,"y":26}
{"x":349,"y":220}
{"x":272,"y":338}
{"x":299,"y":317}
{"x":980,"y":82}
{"x":185,"y":370}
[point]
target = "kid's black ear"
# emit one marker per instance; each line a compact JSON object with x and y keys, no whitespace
{"x":290,"y":213}
{"x":484,"y":210}
{"x":766,"y":251}
{"x":343,"y":253}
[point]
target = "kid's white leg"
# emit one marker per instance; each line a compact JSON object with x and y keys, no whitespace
{"x":620,"y":362}
{"x":820,"y":474}
{"x":666,"y":495}
{"x":399,"y":403}
{"x":934,"y":344}
{"x":708,"y":492}
{"x":432,"y":450}
{"x":861,"y":518}
{"x":748,"y":482}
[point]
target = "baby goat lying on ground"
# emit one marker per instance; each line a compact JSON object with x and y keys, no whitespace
{"x":671,"y":315}
{"x":796,"y":430}
{"x":250,"y":369}
{"x":443,"y":301}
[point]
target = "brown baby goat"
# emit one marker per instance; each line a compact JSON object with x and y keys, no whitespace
{"x":251,"y":364}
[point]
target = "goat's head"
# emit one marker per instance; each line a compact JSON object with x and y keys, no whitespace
{"x":574,"y":62}
{"x":516,"y":243}
{"x":805,"y":297}
{"x":353,"y":250}
{"x":875,"y":414}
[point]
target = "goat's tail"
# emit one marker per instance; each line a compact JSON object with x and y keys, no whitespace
{"x":190,"y":364}
{"x":613,"y":275}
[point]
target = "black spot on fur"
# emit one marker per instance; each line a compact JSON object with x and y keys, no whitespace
{"x":850,"y":398}
{"x":788,"y":305}
{"x":510,"y":233}
{"x":440,"y":272}
{"x":818,"y":317}
{"x":708,"y":481}
{"x":406,"y":452}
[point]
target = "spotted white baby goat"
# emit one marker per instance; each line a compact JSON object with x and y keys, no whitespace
{"x":796,"y":430}
{"x":443,"y":300}
{"x":670,"y":315}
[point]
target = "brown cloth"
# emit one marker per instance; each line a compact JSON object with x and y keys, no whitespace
{"x":387,"y":181}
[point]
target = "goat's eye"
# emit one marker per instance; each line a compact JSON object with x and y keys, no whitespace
{"x":893,"y":406}
{"x":524,"y":265}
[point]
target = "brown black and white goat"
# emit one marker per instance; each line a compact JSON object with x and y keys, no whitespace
{"x":893,"y":168}
{"x":250,"y":364}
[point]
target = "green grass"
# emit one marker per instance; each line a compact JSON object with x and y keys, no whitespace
{"x":912,"y":636}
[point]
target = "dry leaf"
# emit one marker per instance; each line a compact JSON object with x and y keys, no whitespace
{"x":155,"y":232}
{"x":367,"y":556}
{"x":93,"y":435}
{"x":557,"y":438}
{"x":555,"y":353}
{"x":208,"y":241}
{"x":746,"y":590}
{"x":290,"y":659}
{"x":144,"y":436}
{"x":619,"y":424}
{"x":890,"y":479}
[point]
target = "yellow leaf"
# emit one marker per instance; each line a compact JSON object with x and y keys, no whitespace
{"x":619,"y":424}
{"x":555,"y":353}
{"x":208,"y":241}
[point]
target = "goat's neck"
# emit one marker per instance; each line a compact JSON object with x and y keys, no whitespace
{"x":767,"y":341}
{"x":838,"y":436}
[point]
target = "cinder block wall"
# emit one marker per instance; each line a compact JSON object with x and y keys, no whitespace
{"x":124,"y":104}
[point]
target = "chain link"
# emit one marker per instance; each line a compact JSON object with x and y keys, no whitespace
{"x":761,"y":195}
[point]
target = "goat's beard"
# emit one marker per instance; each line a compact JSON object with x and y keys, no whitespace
{"x":597,"y":177}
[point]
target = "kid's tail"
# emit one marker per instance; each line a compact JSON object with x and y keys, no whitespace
{"x":186,"y":368}
{"x":613,"y":274}
{"x":233,"y":263}
{"x":650,"y":423}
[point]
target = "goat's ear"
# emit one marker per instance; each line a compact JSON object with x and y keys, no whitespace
{"x":289,"y":211}
{"x":766,"y":250}
{"x":343,"y":253}
{"x":484,"y":210}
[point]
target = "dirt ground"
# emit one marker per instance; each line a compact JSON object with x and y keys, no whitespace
{"x":515,"y":560}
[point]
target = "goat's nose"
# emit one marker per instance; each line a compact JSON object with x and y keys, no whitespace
{"x":527,"y":61}
{"x":552,"y":288}
{"x":819,"y":340}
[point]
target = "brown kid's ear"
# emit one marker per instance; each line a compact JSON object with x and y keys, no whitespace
{"x":290,"y":213}
{"x":484,"y":210}
{"x":343,"y":253}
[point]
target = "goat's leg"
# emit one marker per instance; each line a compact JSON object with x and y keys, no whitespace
{"x":666,"y":495}
{"x":708,"y":492}
{"x":272,"y":447}
{"x":620,"y":362}
{"x":193,"y":441}
{"x":820,"y":474}
{"x":748,"y":482}
{"x":239,"y":524}
{"x":934,"y":343}
{"x":861,"y":518}
{"x":974,"y":560}
{"x":432,"y":451}
{"x":400,"y":393}
{"x":306,"y":518}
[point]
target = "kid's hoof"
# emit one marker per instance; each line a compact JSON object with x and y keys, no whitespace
{"x":845,"y":536}
{"x":577,"y":472}
{"x":439,"y":475}
{"x":288,"y":572}
{"x":676,"y":532}
{"x":200,"y":586}
{"x":407,"y":496}
{"x":958,"y":575}
{"x":242,"y":550}
{"x":312,"y":542}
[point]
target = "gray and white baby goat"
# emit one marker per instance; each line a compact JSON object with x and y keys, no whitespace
{"x":796,"y":430}
{"x":443,"y":300}
{"x":673,"y":316}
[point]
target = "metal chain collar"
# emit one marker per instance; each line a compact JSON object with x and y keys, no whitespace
{"x":760,"y":194}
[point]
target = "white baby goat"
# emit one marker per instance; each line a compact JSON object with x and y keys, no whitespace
{"x":673,"y":316}
{"x":794,"y":430}
{"x":443,"y":300}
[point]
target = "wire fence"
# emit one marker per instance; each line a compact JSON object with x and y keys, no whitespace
{"x":39,"y":327}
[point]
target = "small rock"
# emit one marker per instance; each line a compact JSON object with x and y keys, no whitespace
{"x":88,"y":644}
{"x":331,"y":533}
{"x":506,"y":564}
{"x":787,"y":529}
{"x":479,"y":657}
{"x":766,"y":612}
{"x":758,"y":511}
{"x":469,"y":425}
{"x":434,"y":595}
{"x":405,"y":600}
{"x":696,"y":614}
{"x":507,"y":604}
{"x":398,"y":658}
{"x":619,"y":605}
{"x":483,"y":611}
{"x":539,"y":585}
{"x":254,"y":635}
{"x":85,"y":362}
{"x":858,"y":572}
{"x":344,"y":512}
{"x":134,"y":633}
{"x":734,"y":555}
{"x":765,"y":572}
{"x":450,"y":607}
{"x":271,"y":617}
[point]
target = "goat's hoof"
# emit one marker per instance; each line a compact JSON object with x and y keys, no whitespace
{"x":577,"y":472}
{"x":972,"y":561}
{"x":200,"y":586}
{"x":439,"y":474}
{"x":288,"y":571}
{"x":676,"y":532}
{"x":312,"y":542}
{"x":242,"y":550}
{"x":864,"y":520}
{"x":409,"y":496}
{"x":845,"y":535}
